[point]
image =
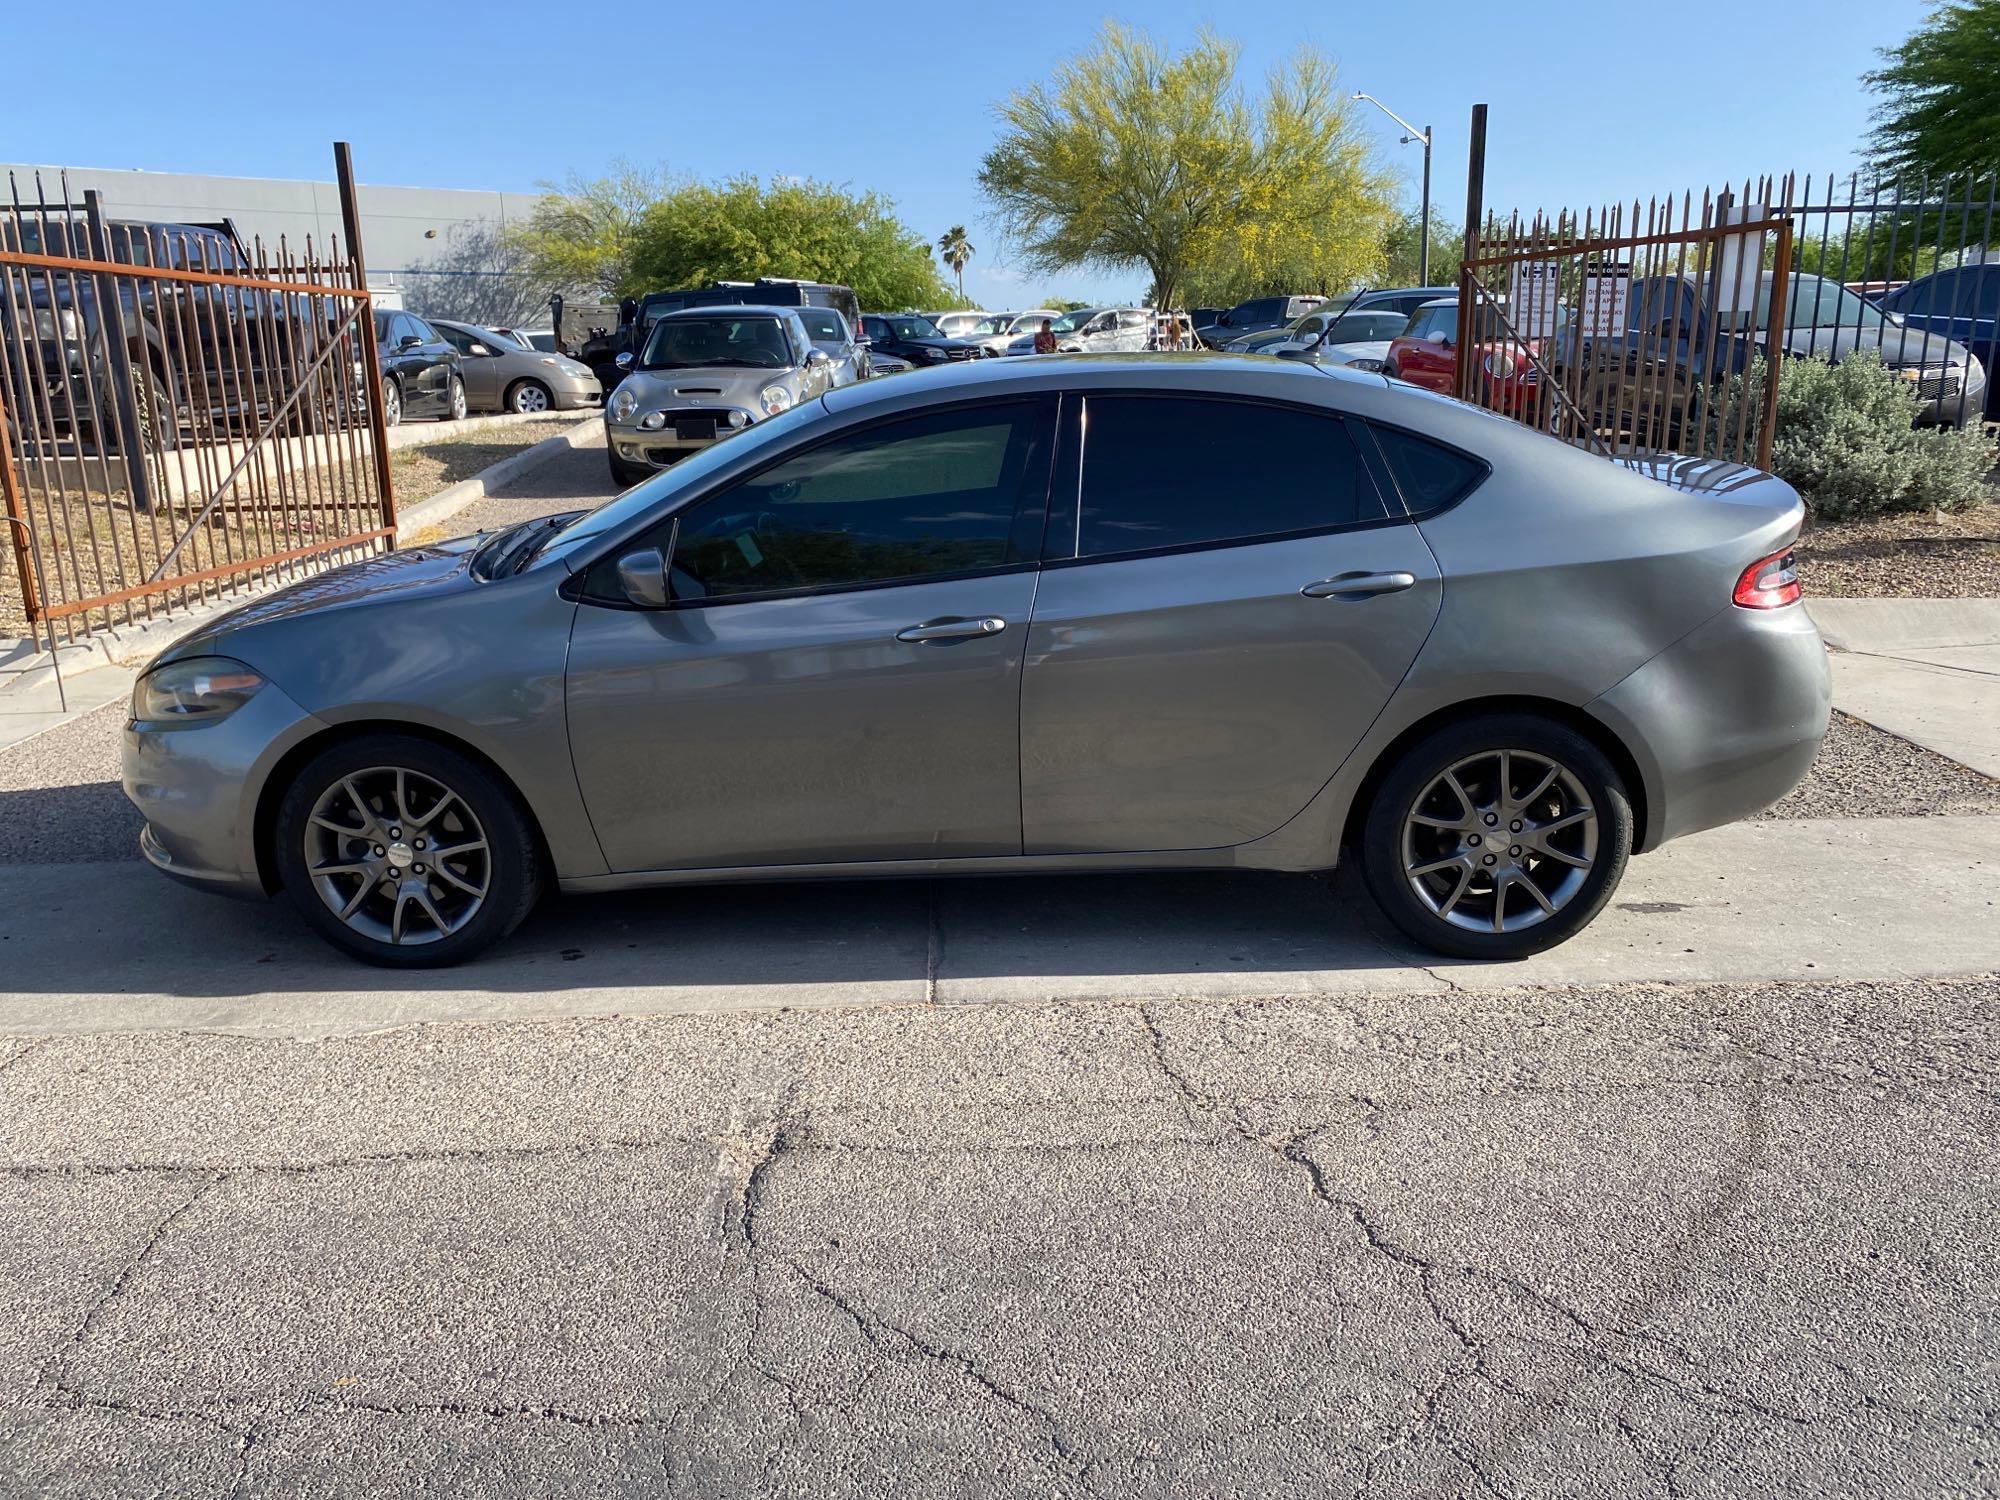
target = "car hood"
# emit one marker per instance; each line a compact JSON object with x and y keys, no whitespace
{"x":443,"y":567}
{"x":942,"y":343}
{"x":1897,"y":346}
{"x":710,"y":385}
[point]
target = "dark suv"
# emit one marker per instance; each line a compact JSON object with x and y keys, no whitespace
{"x":420,"y":371}
{"x":913,"y":337}
{"x":1256,"y":315}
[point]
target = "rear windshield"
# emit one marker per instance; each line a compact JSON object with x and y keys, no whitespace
{"x":823,"y":325}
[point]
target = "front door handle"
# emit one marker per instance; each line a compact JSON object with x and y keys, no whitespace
{"x":1358,"y":585}
{"x":953,"y":630}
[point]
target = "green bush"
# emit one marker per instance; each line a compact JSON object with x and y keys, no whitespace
{"x":1848,"y":442}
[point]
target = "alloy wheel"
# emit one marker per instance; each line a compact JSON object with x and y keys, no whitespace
{"x":392,"y":403}
{"x":458,"y":400}
{"x":397,"y":855}
{"x":1500,"y":841}
{"x":531,"y":397}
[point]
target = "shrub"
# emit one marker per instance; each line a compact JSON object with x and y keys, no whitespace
{"x":1847,"y":440}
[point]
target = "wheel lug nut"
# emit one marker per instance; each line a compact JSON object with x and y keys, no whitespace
{"x":1474,"y":841}
{"x":1491,"y":819}
{"x":379,"y":851}
{"x":1487,"y":861}
{"x":420,"y":842}
{"x":1515,"y":825}
{"x":1514,"y":852}
{"x":419,"y":869}
{"x":395,"y":833}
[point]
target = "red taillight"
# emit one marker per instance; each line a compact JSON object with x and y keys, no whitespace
{"x":1770,"y":582}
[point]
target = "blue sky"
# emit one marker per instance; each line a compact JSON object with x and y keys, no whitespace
{"x":1588,"y":101}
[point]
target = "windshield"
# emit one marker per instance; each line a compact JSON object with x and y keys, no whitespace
{"x":908,"y":326}
{"x":823,"y":326}
{"x":986,"y":326}
{"x":1815,"y":302}
{"x":1070,"y":322}
{"x":689,"y":473}
{"x":705,"y":342}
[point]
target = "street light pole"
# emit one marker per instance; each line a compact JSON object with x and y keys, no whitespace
{"x":1424,"y":135}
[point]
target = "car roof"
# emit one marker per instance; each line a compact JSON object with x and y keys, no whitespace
{"x":734,"y":310}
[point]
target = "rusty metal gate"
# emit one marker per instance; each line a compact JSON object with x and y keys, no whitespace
{"x":1632,"y":330}
{"x":183,"y":415}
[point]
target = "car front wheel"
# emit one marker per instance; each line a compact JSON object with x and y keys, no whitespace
{"x":455,"y":401}
{"x":392,"y":403}
{"x":1497,"y":837}
{"x":405,"y":853}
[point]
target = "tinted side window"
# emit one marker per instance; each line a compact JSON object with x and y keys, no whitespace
{"x":1177,"y":471}
{"x":424,"y":331}
{"x":1430,"y":477}
{"x":946,"y":492}
{"x":458,"y":338}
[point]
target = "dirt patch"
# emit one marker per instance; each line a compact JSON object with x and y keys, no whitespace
{"x":1865,"y":772}
{"x":1904,"y":557}
{"x":421,"y":472}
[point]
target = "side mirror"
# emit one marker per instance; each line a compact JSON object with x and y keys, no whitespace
{"x":1441,"y":337}
{"x":479,"y":348}
{"x":818,"y":357}
{"x":623,"y":361}
{"x":408,"y":341}
{"x":643,"y":577}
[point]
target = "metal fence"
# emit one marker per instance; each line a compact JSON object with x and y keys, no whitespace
{"x":1661,"y":325}
{"x":183,"y":415}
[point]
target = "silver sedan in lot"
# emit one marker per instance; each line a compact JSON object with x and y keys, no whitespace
{"x":502,"y":376}
{"x":1137,"y":612}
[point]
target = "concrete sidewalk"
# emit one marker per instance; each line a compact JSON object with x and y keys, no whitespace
{"x":1925,"y":669}
{"x":114,"y":947}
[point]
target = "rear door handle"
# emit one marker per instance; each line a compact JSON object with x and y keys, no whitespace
{"x":1358,"y":585}
{"x":953,"y":630}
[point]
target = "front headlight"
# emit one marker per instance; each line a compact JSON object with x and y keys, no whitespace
{"x":623,"y":403}
{"x":935,"y":354}
{"x":1364,"y":363}
{"x":56,"y":323}
{"x":1499,"y":365}
{"x":196,"y":690}
{"x":776,"y":399}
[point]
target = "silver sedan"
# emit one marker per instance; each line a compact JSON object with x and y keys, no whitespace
{"x":1257,"y":615}
{"x":502,"y":376}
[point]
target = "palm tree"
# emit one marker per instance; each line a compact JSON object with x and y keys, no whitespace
{"x":955,"y":250}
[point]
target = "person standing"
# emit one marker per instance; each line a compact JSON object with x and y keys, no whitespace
{"x":1045,"y":338}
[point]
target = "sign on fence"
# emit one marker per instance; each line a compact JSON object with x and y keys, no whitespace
{"x":1533,"y":304}
{"x":1606,"y":287}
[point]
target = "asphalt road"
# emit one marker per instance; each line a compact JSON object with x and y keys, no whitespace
{"x":1617,"y":1242}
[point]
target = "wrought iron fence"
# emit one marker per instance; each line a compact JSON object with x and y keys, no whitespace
{"x":182,"y":415}
{"x":1661,"y":325}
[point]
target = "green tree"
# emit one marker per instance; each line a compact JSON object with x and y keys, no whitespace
{"x":741,"y":229}
{"x":954,"y":249}
{"x":1134,"y":158}
{"x":1400,"y":243}
{"x":579,"y":237}
{"x":1941,"y":94}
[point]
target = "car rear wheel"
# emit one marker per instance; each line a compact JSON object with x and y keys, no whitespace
{"x":529,"y":395}
{"x":392,"y":403}
{"x":405,"y":853}
{"x":454,"y":406}
{"x":1497,"y":837}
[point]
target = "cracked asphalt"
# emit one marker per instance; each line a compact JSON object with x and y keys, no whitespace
{"x":1626,"y":1241}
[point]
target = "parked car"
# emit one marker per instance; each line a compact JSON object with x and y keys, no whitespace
{"x":1254,"y":316}
{"x":996,"y":331}
{"x":541,"y":340}
{"x":830,"y":333}
{"x":1401,"y":299}
{"x":913,"y":337}
{"x":420,"y":370}
{"x":1094,"y":330}
{"x":1962,"y":304}
{"x":637,"y":315}
{"x":884,"y":633}
{"x":1674,"y":350}
{"x":1426,"y":354}
{"x":958,"y":323}
{"x":500,"y":375}
{"x":205,"y":361}
{"x":1328,"y":327}
{"x":709,"y":373}
{"x":880,"y":364}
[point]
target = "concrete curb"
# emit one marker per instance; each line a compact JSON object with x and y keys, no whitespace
{"x":423,"y":434}
{"x":134,"y":645}
{"x":1893,"y":625}
{"x":447,"y":503}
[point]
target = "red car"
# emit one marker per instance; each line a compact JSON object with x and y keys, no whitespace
{"x":1425,"y":353}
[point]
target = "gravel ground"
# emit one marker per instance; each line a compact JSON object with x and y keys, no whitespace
{"x":570,"y":480}
{"x":1904,"y":557}
{"x":423,"y":471}
{"x":1863,"y":772}
{"x":60,"y":802}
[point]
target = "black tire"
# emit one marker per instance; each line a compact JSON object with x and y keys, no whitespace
{"x":454,"y":401}
{"x":392,"y":402}
{"x":513,"y":870}
{"x":1402,"y":793}
{"x":528,"y":396}
{"x":626,"y":475}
